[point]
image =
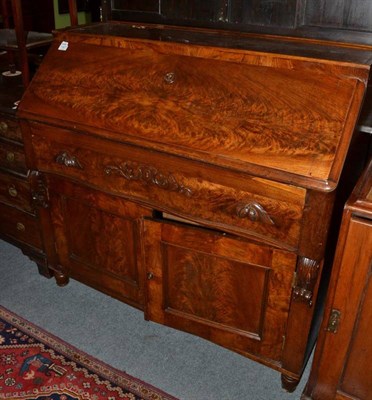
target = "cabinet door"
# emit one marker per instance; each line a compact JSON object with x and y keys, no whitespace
{"x":230,"y":291}
{"x":342,"y":363}
{"x":97,"y":239}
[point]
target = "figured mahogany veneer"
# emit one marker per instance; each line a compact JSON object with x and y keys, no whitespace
{"x":192,"y":174}
{"x":229,"y":201}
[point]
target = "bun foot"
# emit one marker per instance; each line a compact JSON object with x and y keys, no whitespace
{"x":61,"y":278}
{"x":289,"y":384}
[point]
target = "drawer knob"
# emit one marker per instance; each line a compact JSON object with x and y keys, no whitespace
{"x":254,"y":212}
{"x":10,"y":156}
{"x":170,"y":78}
{"x":64,"y":158}
{"x":150,"y":276}
{"x":3,"y":126}
{"x":20,"y":227}
{"x":12,"y":191}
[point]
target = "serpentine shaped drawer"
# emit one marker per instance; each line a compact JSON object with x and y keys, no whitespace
{"x":204,"y":193}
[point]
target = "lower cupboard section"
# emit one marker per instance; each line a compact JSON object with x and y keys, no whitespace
{"x":230,"y":291}
{"x":221,"y":287}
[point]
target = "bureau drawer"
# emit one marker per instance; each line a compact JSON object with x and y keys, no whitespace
{"x":214,"y":196}
{"x":15,"y":191}
{"x":9,"y":128}
{"x":12,"y":157}
{"x":20,"y":226}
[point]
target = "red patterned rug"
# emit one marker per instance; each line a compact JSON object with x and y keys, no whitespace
{"x":35,"y":365}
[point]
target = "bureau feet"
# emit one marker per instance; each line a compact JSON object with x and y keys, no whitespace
{"x":61,"y":278}
{"x":289,"y":384}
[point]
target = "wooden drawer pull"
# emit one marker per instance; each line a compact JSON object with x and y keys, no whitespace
{"x":64,"y":158}
{"x":170,"y":78}
{"x":12,"y":191}
{"x":255,"y":212}
{"x":3,"y":127}
{"x":10,"y":156}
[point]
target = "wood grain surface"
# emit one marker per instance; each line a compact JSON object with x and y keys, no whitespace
{"x":226,"y":290}
{"x":264,"y":111}
{"x":216,"y":197}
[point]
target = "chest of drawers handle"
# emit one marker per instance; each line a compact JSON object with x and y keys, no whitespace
{"x":12,"y":191}
{"x":254,"y":212}
{"x":64,"y":158}
{"x":3,"y":127}
{"x":20,"y":227}
{"x":10,"y":156}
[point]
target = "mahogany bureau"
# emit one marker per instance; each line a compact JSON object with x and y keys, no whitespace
{"x":192,"y":174}
{"x":342,"y":367}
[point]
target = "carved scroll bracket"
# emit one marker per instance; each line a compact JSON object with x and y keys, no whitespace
{"x":254,"y":212}
{"x":39,"y":190}
{"x":305,"y":280}
{"x":149,"y":175}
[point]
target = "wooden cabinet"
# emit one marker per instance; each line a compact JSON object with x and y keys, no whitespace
{"x":228,"y":290}
{"x":342,"y":367}
{"x":18,"y":218}
{"x":97,"y":239}
{"x":296,"y":17}
{"x":192,"y":174}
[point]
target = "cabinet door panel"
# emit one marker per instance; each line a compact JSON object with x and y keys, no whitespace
{"x":342,"y":362}
{"x":97,"y":238}
{"x":357,"y":373}
{"x":89,"y":228}
{"x":230,"y":291}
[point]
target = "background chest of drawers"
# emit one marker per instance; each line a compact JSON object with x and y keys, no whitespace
{"x":19,"y":223}
{"x":192,"y":174}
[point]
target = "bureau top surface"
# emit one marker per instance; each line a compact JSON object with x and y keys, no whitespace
{"x":276,"y":108}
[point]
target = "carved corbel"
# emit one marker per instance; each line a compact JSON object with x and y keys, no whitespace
{"x":39,"y":190}
{"x":305,"y":280}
